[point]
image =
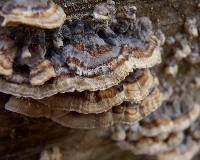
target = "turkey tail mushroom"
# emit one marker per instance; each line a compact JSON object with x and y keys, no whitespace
{"x":152,"y":145}
{"x":119,"y":114}
{"x":185,"y":151}
{"x":169,"y":118}
{"x":86,"y":63}
{"x":43,"y":14}
{"x":134,"y":88}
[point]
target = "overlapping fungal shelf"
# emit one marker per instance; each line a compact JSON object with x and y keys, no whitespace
{"x":94,"y":70}
{"x":80,"y":73}
{"x":171,"y":132}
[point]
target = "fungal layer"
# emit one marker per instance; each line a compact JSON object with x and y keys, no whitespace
{"x":168,"y":118}
{"x":77,"y":56}
{"x":152,"y":145}
{"x":175,"y":145}
{"x":134,"y":88}
{"x":85,"y":72}
{"x":44,"y":14}
{"x":179,"y":115}
{"x":125,"y":113}
{"x":185,"y":151}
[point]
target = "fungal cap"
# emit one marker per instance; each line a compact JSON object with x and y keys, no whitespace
{"x":135,"y":88}
{"x":139,"y":59}
{"x":43,"y":14}
{"x":170,"y":119}
{"x":33,"y":108}
{"x":42,"y":73}
{"x":185,"y":151}
{"x":152,"y":145}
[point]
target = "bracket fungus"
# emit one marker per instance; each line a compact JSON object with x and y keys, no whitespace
{"x":168,"y":118}
{"x":124,"y":113}
{"x":171,"y":132}
{"x":44,"y":14}
{"x":153,"y":145}
{"x":80,"y":72}
{"x":185,"y":151}
{"x":95,"y":71}
{"x":42,"y":73}
{"x":134,"y":88}
{"x":86,"y":58}
{"x":175,"y":146}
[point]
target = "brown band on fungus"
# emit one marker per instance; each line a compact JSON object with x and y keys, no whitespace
{"x":33,"y":108}
{"x":140,"y":59}
{"x":185,"y":151}
{"x":41,"y":73}
{"x":66,"y":83}
{"x":90,"y":54}
{"x":164,"y":121}
{"x":101,"y":101}
{"x":88,"y":59}
{"x":129,"y":113}
{"x":152,"y":145}
{"x":43,"y":14}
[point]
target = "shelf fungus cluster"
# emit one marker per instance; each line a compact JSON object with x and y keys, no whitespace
{"x":184,"y":47}
{"x":81,"y":73}
{"x":170,"y":133}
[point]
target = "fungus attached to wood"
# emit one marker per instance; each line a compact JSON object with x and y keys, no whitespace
{"x":43,"y":14}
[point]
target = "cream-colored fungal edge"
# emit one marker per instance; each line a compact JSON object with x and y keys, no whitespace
{"x":183,"y":152}
{"x":70,"y":84}
{"x":136,"y":112}
{"x":52,"y":18}
{"x":33,"y":108}
{"x":178,"y":124}
{"x":134,"y":92}
{"x":152,"y":146}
